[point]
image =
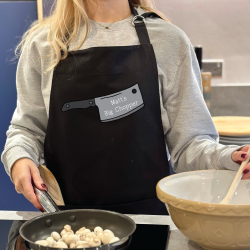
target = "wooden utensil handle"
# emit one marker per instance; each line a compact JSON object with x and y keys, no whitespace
{"x":52,"y":184}
{"x":236,"y":181}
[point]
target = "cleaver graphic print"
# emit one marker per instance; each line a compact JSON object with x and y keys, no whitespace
{"x":114,"y":106}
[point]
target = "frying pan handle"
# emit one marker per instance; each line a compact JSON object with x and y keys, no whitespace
{"x":45,"y":199}
{"x":78,"y":104}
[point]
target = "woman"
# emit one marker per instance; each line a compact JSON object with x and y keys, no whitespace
{"x":114,"y":91}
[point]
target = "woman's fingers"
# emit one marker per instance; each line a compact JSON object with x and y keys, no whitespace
{"x":36,"y":177}
{"x":38,"y":182}
{"x":239,"y":156}
{"x":246,"y":172}
{"x":22,"y":173}
{"x":28,"y":192}
{"x":19,"y":188}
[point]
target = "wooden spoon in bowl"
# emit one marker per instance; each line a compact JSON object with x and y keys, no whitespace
{"x":236,"y":181}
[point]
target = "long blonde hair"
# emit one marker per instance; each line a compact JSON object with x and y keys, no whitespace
{"x":64,"y":21}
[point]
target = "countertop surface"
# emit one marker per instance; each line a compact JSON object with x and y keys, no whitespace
{"x":176,"y":240}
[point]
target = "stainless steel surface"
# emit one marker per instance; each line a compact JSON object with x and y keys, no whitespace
{"x":137,"y":218}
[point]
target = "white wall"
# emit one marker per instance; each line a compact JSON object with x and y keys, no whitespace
{"x":222,"y":27}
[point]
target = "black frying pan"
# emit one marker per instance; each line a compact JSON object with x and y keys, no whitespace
{"x":42,"y":226}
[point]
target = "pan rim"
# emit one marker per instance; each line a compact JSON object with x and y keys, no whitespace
{"x":78,"y":210}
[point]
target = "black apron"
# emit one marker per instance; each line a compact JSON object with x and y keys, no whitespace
{"x":105,"y":142}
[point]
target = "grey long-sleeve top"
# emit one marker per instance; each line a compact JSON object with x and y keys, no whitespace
{"x":190,"y":134}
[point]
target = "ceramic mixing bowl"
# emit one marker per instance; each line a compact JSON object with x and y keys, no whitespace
{"x":192,"y":200}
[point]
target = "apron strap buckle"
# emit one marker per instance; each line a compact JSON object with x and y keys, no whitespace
{"x":138,"y":18}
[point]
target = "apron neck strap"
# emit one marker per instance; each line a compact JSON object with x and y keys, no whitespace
{"x":133,"y":10}
{"x":140,"y":26}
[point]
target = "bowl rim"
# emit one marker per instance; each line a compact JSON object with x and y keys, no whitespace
{"x":201,"y":207}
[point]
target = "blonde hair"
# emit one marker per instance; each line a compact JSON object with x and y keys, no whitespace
{"x":64,"y":21}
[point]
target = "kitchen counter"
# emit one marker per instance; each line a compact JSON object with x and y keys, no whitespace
{"x":176,"y":239}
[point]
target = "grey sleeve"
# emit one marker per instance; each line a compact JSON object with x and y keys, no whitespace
{"x":14,"y":234}
{"x":26,"y":133}
{"x":192,"y":138}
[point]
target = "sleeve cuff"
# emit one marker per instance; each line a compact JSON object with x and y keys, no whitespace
{"x":226,"y":158}
{"x":12,"y":154}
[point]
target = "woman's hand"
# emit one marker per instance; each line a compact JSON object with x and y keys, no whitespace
{"x":23,"y":171}
{"x":239,"y":157}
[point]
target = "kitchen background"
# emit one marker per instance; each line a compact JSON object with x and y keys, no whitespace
{"x":221,"y":27}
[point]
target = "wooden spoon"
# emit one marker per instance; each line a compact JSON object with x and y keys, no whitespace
{"x":236,"y":181}
{"x":52,"y":184}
